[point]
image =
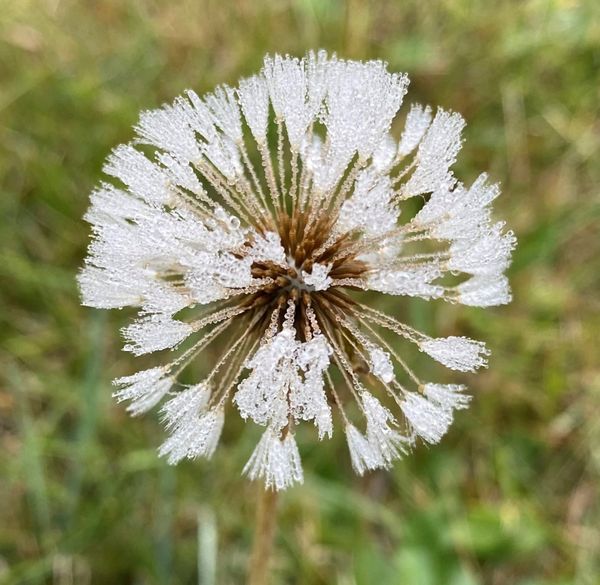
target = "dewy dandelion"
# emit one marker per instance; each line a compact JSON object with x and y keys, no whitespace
{"x":259,"y":210}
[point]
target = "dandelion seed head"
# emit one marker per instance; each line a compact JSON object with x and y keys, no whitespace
{"x":248,"y":219}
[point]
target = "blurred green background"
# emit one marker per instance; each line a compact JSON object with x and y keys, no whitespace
{"x":511,"y":494}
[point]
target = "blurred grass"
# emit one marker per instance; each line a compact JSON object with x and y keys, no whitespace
{"x":511,"y":495}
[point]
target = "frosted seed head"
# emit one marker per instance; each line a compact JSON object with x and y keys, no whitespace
{"x":277,"y":229}
{"x":457,"y":353}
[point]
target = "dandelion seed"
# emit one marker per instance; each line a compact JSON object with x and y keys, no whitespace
{"x":381,"y":364}
{"x":381,"y":430}
{"x":447,"y":396}
{"x":364,"y":456}
{"x":276,"y":461}
{"x":246,"y":219}
{"x":457,"y":353}
{"x":428,"y":420}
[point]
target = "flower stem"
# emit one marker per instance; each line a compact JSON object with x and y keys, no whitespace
{"x":266,"y":521}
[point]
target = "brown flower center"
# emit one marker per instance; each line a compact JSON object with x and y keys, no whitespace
{"x":306,"y":241}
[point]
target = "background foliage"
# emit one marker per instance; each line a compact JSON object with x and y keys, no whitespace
{"x":511,"y":495}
